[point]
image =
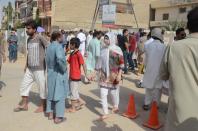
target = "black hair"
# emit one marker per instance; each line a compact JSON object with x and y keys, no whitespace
{"x":124,"y":31}
{"x":179,"y":30}
{"x":149,"y":35}
{"x":76,"y":42}
{"x":96,"y":33}
{"x":81,"y":30}
{"x":32,"y":24}
{"x":13,"y":29}
{"x":55,"y":35}
{"x":90,"y":32}
{"x":193,"y":20}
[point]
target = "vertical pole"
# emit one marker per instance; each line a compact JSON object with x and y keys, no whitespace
{"x":133,"y":13}
{"x":95,"y":15}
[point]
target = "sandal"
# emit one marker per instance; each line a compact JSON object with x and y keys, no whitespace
{"x":115,"y":110}
{"x":104,"y":117}
{"x":19,"y":109}
{"x":60,"y":120}
{"x":146,"y":107}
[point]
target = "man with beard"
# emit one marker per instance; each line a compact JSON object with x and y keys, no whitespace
{"x":34,"y":68}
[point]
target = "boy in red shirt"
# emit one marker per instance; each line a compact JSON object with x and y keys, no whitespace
{"x":76,"y":61}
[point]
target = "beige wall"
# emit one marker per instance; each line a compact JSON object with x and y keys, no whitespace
{"x":70,"y":14}
{"x":173,"y":12}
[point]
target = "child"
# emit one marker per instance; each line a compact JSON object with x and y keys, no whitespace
{"x":76,"y":61}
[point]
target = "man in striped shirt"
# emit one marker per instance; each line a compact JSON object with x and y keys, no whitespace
{"x":34,"y":69}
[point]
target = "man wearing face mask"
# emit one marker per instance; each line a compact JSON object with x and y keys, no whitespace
{"x":34,"y":68}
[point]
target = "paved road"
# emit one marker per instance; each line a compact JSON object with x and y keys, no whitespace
{"x":84,"y":120}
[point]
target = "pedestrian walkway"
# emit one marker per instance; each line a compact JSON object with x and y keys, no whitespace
{"x":83,"y":120}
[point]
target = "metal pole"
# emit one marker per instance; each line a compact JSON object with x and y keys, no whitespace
{"x":95,"y":15}
{"x":134,"y":13}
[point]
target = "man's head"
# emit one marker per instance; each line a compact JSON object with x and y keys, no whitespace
{"x":74,"y":43}
{"x":157,"y":34}
{"x":141,"y":30}
{"x":193,"y":20}
{"x":91,"y":32}
{"x":180,"y":34}
{"x":97,"y":34}
{"x":62,"y":31}
{"x":125,"y":32}
{"x":57,"y":36}
{"x":81,"y":30}
{"x":13,"y":31}
{"x":31,"y":27}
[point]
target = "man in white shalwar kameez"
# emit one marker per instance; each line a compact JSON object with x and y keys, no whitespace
{"x":82,"y":38}
{"x":154,"y":53}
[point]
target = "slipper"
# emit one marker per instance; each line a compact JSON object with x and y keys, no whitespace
{"x":115,"y":111}
{"x":19,"y":109}
{"x":61,"y":120}
{"x":102,"y":118}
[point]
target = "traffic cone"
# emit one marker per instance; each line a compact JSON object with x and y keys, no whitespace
{"x":131,"y":110}
{"x":153,"y":121}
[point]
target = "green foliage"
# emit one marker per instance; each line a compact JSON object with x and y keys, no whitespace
{"x":173,"y":26}
{"x":38,"y":20}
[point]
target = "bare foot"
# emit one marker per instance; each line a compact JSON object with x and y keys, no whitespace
{"x":71,"y":110}
{"x":21,"y":108}
{"x":39,"y":109}
{"x":50,"y":116}
{"x":59,"y":120}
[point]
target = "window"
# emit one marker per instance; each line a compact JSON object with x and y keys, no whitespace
{"x":165,"y":16}
{"x":182,"y":10}
{"x":152,"y":14}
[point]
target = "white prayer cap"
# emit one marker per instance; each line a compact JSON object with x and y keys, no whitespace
{"x":158,"y":33}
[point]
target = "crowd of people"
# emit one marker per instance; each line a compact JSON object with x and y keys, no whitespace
{"x":104,"y":57}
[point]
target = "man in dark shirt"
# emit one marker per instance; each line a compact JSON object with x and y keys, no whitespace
{"x":123,"y":44}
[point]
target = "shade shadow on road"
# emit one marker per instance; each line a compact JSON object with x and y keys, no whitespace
{"x":102,"y":126}
{"x":34,"y":98}
{"x":2,"y":84}
{"x":92,"y":104}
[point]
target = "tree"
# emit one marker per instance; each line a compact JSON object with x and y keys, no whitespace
{"x":8,"y":14}
{"x":174,"y":25}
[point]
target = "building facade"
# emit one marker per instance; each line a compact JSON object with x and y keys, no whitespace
{"x":34,"y":9}
{"x":45,"y":14}
{"x":76,"y":14}
{"x":165,"y":12}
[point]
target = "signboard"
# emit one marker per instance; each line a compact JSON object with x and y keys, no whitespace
{"x":104,"y":2}
{"x":109,"y":14}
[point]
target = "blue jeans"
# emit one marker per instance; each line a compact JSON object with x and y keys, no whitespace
{"x":12,"y":52}
{"x":125,"y":54}
{"x":130,"y":60}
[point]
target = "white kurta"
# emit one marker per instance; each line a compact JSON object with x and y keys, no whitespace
{"x":89,"y":38}
{"x":154,"y":53}
{"x":82,"y":38}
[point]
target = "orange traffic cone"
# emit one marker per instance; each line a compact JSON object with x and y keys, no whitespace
{"x":153,"y":121}
{"x":131,"y":110}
